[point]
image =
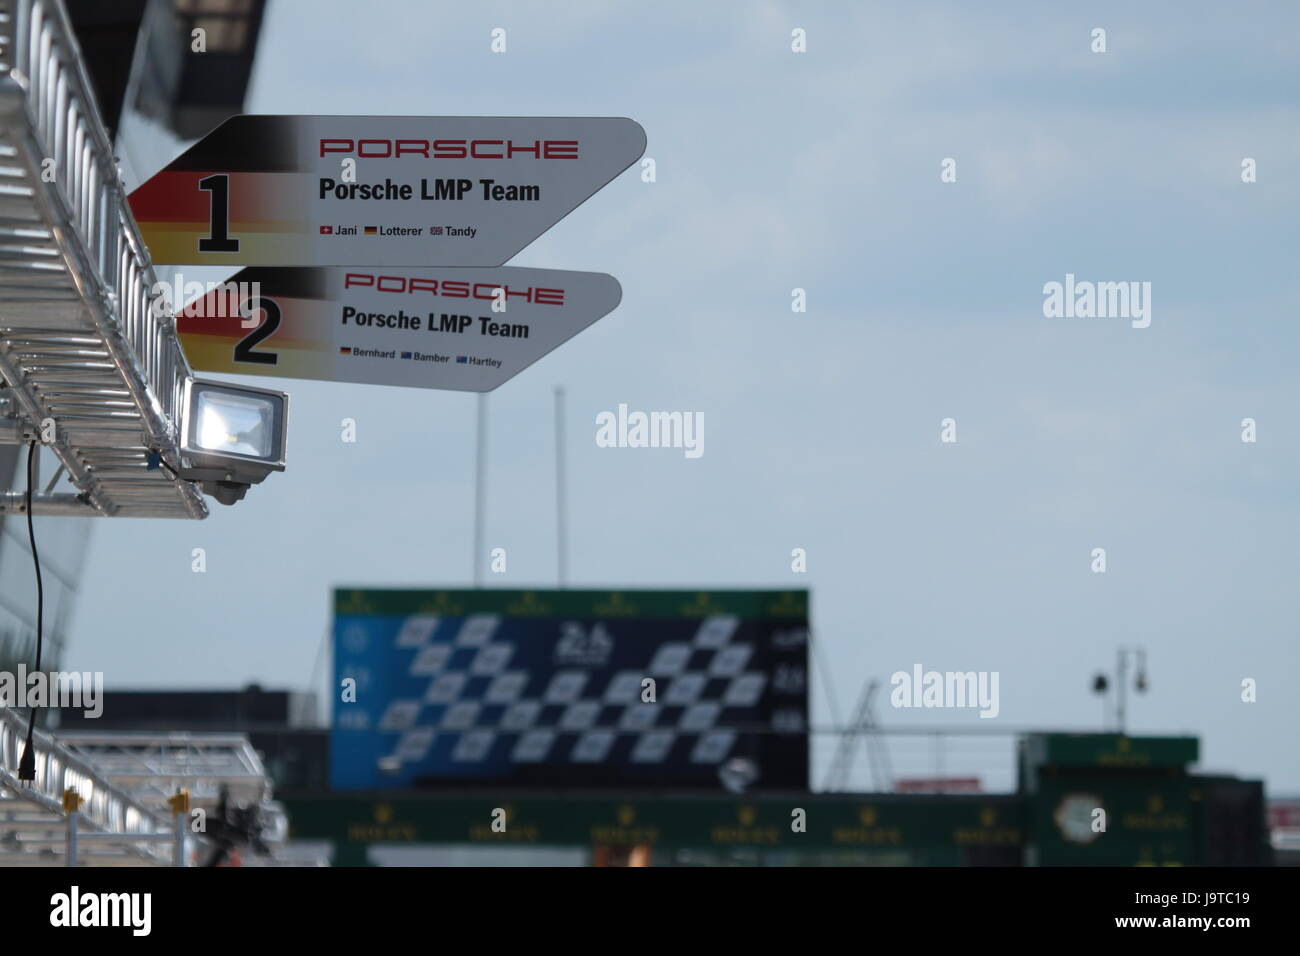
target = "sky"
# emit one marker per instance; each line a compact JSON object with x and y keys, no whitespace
{"x":821,"y":171}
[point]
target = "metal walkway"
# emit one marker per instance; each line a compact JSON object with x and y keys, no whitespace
{"x":112,"y":827}
{"x":84,"y":339}
{"x":151,"y":767}
{"x":126,"y":787}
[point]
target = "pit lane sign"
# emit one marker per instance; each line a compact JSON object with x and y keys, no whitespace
{"x":377,"y":190}
{"x":460,"y":329}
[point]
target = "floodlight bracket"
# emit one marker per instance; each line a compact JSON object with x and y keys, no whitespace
{"x":43,"y":505}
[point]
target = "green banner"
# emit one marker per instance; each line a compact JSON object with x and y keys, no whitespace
{"x":1111,"y":751}
{"x":585,"y":604}
{"x":796,"y":822}
{"x":1104,"y":819}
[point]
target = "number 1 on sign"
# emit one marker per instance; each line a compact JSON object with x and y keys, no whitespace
{"x":218,"y":239}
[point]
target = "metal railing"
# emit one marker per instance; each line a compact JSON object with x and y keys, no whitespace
{"x":86,"y":338}
{"x":114,"y":827}
{"x":112,"y":798}
{"x":153,"y":766}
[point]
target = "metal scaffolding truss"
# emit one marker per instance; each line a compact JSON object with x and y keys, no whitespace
{"x":156,"y":765}
{"x":151,"y":767}
{"x":85,"y":337}
{"x":126,"y":810}
{"x":110,"y":827}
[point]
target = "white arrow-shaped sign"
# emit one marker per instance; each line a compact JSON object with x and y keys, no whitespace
{"x":462,"y":329}
{"x":377,"y":190}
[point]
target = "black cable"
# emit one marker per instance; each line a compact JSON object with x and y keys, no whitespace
{"x":27,"y":763}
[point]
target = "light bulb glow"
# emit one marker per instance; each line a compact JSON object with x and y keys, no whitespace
{"x":237,"y":424}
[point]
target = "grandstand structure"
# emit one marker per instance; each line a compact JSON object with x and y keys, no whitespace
{"x":92,"y":378}
{"x":131,"y":799}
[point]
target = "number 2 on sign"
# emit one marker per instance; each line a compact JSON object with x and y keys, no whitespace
{"x":244,"y":347}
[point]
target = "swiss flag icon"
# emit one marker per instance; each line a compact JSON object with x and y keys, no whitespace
{"x":326,"y":230}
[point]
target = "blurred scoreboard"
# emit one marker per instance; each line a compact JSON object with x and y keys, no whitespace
{"x":570,"y":689}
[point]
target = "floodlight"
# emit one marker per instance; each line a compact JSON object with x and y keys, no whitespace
{"x":232,"y":436}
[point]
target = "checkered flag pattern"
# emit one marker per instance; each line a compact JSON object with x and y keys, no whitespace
{"x":578,"y":712}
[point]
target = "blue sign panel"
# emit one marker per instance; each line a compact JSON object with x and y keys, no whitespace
{"x":570,"y":689}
